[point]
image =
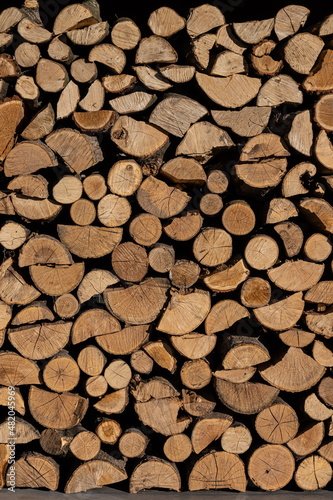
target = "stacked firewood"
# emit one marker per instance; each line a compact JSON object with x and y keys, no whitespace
{"x":166,"y":283}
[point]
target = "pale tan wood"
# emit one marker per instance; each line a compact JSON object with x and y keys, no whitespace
{"x":34,"y":209}
{"x":176,"y":113}
{"x":198,"y":404}
{"x":118,"y":83}
{"x":194,"y":345}
{"x":115,"y":402}
{"x":125,"y":34}
{"x":95,"y":282}
{"x":34,"y":470}
{"x":57,"y":280}
{"x":51,"y":76}
{"x":184,"y":170}
{"x":302,"y":51}
{"x":61,"y":373}
{"x":60,"y":51}
{"x":66,"y":306}
{"x":248,"y":122}
{"x":218,"y":469}
{"x":262,"y":61}
{"x":253,"y":32}
{"x":325,"y":27}
{"x":165,"y":22}
{"x":308,"y":439}
{"x":68,"y":190}
{"x":325,"y":390}
{"x":33,"y":32}
{"x":35,"y":312}
{"x":238,"y":218}
{"x":155,"y":49}
{"x":73,"y":17}
{"x":8,"y":67}
{"x":94,"y":186}
{"x":79,"y":151}
{"x":195,"y":374}
{"x":151,"y":78}
{"x":320,"y":322}
{"x":68,"y":100}
{"x":11,"y":115}
{"x":261,"y":252}
{"x":255,"y":292}
{"x":319,"y":213}
{"x":271,"y":467}
{"x":212,"y":247}
{"x":229,"y":277}
{"x":113,"y":210}
{"x":83,"y":71}
{"x":13,"y":235}
{"x":177,"y":448}
{"x":89,"y":241}
{"x":155,"y":473}
{"x":95,"y":121}
{"x":237,"y":375}
{"x":326,"y":451}
{"x":91,"y":360}
{"x":228,"y":63}
{"x":211,"y":204}
{"x":320,"y":80}
{"x":27,"y":54}
{"x":85,"y":445}
{"x":209,"y":429}
{"x":315,"y":409}
{"x":242,"y":352}
{"x":279,"y":210}
{"x":109,"y":55}
{"x":226,"y":38}
{"x":184,"y":227}
{"x":230,"y":92}
{"x":5,"y":40}
{"x":83,"y":212}
{"x":157,"y":198}
{"x":89,"y":35}
{"x":28,"y":157}
{"x":161,"y":258}
{"x":133,"y":443}
{"x":322,"y":353}
{"x":94,"y":99}
{"x":16,"y":370}
{"x":184,"y":273}
{"x":292,"y":184}
{"x":278,"y":90}
{"x":6,"y":314}
{"x":223,"y":315}
{"x":289,"y":20}
{"x":130,"y":262}
{"x":9,"y":18}
{"x":236,"y":439}
{"x":292,"y":237}
{"x":322,"y":113}
{"x":201,"y":49}
{"x":137,"y":138}
{"x":92,"y":323}
{"x":217,"y":181}
{"x":278,"y":423}
{"x":178,"y":318}
{"x":145,"y":229}
{"x":34,"y":186}
{"x":13,"y":288}
{"x":323,"y":150}
{"x":41,"y":124}
{"x":133,"y":102}
{"x":108,"y":431}
{"x":45,"y":408}
{"x":281,"y":315}
{"x":146,"y":299}
{"x":203,"y":18}
{"x":44,"y":249}
{"x":4,"y":459}
{"x":321,"y":293}
{"x":162,"y":354}
{"x":141,"y":362}
{"x":313,"y":472}
{"x":296,"y":276}
{"x":178,"y":73}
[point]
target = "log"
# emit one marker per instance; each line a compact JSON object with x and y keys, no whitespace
{"x":238,"y":218}
{"x":271,"y":467}
{"x":36,"y":156}
{"x":177,"y":448}
{"x":262,"y":252}
{"x":313,"y":472}
{"x":195,"y":374}
{"x":194,"y":345}
{"x":145,"y":229}
{"x":255,"y":292}
{"x":66,"y":306}
{"x":223,"y":315}
{"x":300,"y":136}
{"x":178,"y":73}
{"x":301,"y":52}
{"x":319,"y":80}
{"x":83,"y":212}
{"x":94,"y":186}
{"x":209,"y":429}
{"x":160,"y":474}
{"x":185,"y":227}
{"x":108,"y":431}
{"x":308,"y":439}
{"x":289,"y":20}
{"x":165,"y":22}
{"x":236,"y":439}
{"x":262,"y":61}
{"x":322,"y":112}
{"x":94,"y":121}
{"x":85,"y":445}
{"x":93,"y":323}
{"x":89,"y":241}
{"x":155,"y":49}
{"x":141,"y":362}
{"x":115,"y":402}
{"x":125,"y":34}
{"x":278,"y":90}
{"x":35,"y":470}
{"x":277,"y":424}
{"x":61,"y":373}
{"x":201,"y":49}
{"x":315,"y":409}
{"x":228,"y":63}
{"x":204,"y":18}
{"x":151,"y":78}
{"x":13,"y":235}
{"x":292,"y":237}
{"x":83,"y":71}
{"x":133,"y":443}
{"x":249,"y":121}
{"x":94,"y":98}
{"x":161,"y":258}
{"x":60,"y":51}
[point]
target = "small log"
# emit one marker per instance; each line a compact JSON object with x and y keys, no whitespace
{"x":185,"y":227}
{"x":133,"y":102}
{"x":102,"y":470}
{"x":60,"y":51}
{"x":301,"y":52}
{"x":212,"y":247}
{"x":293,"y":182}
{"x":34,"y":470}
{"x":300,"y":136}
{"x":130,"y":262}
{"x":125,"y":34}
{"x":124,"y":177}
{"x":203,"y":18}
{"x":61,"y":373}
{"x":57,"y":280}
{"x":46,"y":408}
{"x":226,"y":38}
{"x":278,"y":423}
{"x":138,"y":304}
{"x":5,"y":40}
{"x":161,"y":258}
{"x":115,"y":402}
{"x":308,"y":439}
{"x":281,"y":315}
{"x":95,"y":282}
{"x":141,"y":362}
{"x":230,"y":92}
{"x":319,"y":213}
{"x":85,"y":445}
{"x":325,"y":27}
{"x":217,"y":181}
{"x":313,"y":472}
{"x":151,"y":78}
{"x":83,"y":212}
{"x":296,"y":276}
{"x":323,"y":151}
{"x":92,"y":323}
{"x":292,"y":237}
{"x":24,"y":432}
{"x":145,"y":229}
{"x":271,"y":467}
{"x":162,"y":415}
{"x":211,"y":204}
{"x":165,"y":22}
{"x":178,"y":73}
{"x":94,"y":99}
{"x":242,"y":352}
{"x":79,"y":151}
{"x":8,"y":67}
{"x":262,"y":61}
{"x":315,"y":409}
{"x":34,"y":186}
{"x":325,"y":390}
{"x":280,"y":210}
{"x":201,"y":49}
{"x":108,"y":431}
{"x":9,"y":18}
{"x":109,"y":55}
{"x":326,"y":451}
{"x":229,"y":278}
{"x":41,"y":124}
{"x":162,"y":354}
{"x":238,"y":218}
{"x":249,"y":121}
{"x":113,"y":210}
{"x":68,"y":100}
{"x":209,"y":429}
{"x":66,"y":306}
{"x":184,"y":273}
{"x":296,"y":337}
{"x":289,"y":20}
{"x":91,"y":360}
{"x":253,"y":32}
{"x":292,"y":371}
{"x":195,"y":374}
{"x":184,"y":170}
{"x":89,"y":35}
{"x":33,"y":32}
{"x":155,"y":49}
{"x":118,"y":83}
{"x":278,"y":90}
{"x":13,"y":288}
{"x":27,"y":55}
{"x":68,"y":190}
{"x":138,"y":138}
{"x":218,"y":469}
{"x":322,"y":112}
{"x":118,"y":374}
{"x":133,"y":443}
{"x":198,"y":404}
{"x":262,"y":252}
{"x":177,"y":448}
{"x":83,"y":71}
{"x":13,"y":235}
{"x":94,"y":186}
{"x":51,"y":76}
{"x":194,"y":345}
{"x":223,"y":315}
{"x":73,"y":17}
{"x":228,"y":63}
{"x":320,"y":323}
{"x":255,"y":292}
{"x":236,"y":439}
{"x":154,"y":472}
{"x":319,"y":80}
{"x":322,"y":354}
{"x":157,"y":198}
{"x":40,"y":341}
{"x":178,"y":317}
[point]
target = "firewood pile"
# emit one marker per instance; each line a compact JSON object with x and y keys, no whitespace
{"x":166,"y":287}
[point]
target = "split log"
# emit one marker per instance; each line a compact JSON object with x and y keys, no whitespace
{"x":95,"y":121}
{"x":89,"y":35}
{"x":201,"y":49}
{"x":60,"y":51}
{"x":73,"y":17}
{"x":178,"y":73}
{"x":184,"y":170}
{"x":278,"y":90}
{"x":296,"y":276}
{"x":325,"y":390}
{"x":292,"y":237}
{"x":24,"y":432}
{"x":228,"y":279}
{"x":280,"y":209}
{"x":151,"y":78}
{"x":95,"y":282}
{"x":289,"y":20}
{"x":93,"y":323}
{"x":165,"y":22}
{"x":319,"y":80}
{"x":296,"y":337}
{"x":322,"y":354}
{"x":225,"y":37}
{"x":83,"y":71}
{"x":262,"y":61}
{"x":157,"y":198}
{"x":253,"y":32}
{"x":315,"y":409}
{"x":155,"y":49}
{"x":281,"y":315}
{"x":322,"y":112}
{"x":115,"y":402}
{"x":89,"y":241}
{"x":28,"y":157}
{"x":302,"y":51}
{"x":228,"y":63}
{"x":209,"y":429}
{"x":204,"y":18}
{"x":308,"y":439}
{"x":154,"y":472}
{"x":223,"y":315}
{"x":249,"y":121}
{"x":300,"y":136}
{"x":13,"y":288}
{"x":34,"y":470}
{"x":198,"y":404}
